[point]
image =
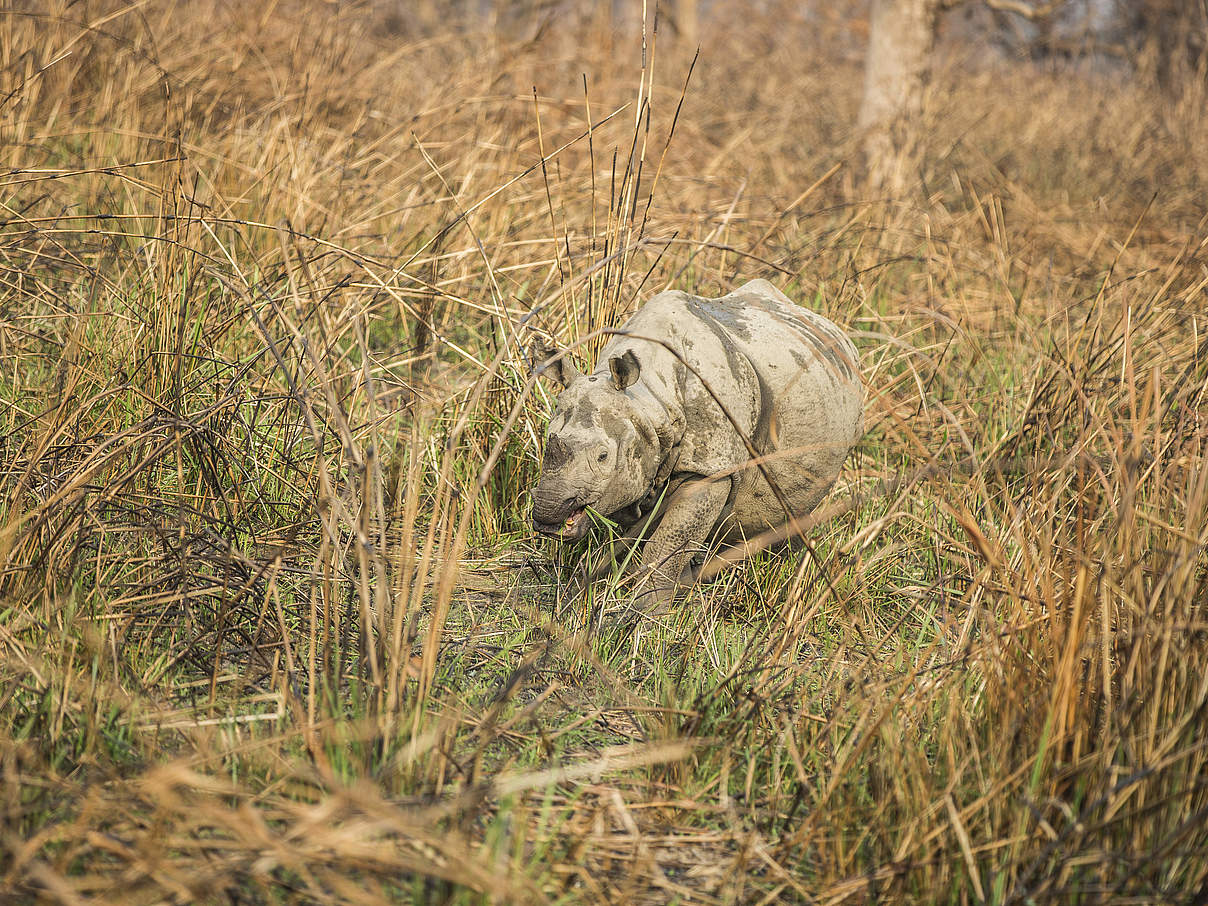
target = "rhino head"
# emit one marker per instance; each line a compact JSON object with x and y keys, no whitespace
{"x":602,"y":450}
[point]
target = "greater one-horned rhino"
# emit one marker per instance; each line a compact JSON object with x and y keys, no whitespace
{"x":704,"y":419}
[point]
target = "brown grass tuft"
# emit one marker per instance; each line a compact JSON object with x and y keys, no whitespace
{"x":272,"y":628}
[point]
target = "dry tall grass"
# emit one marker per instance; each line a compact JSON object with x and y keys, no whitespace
{"x":271,"y":626}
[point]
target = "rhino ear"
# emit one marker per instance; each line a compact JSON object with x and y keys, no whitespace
{"x":625,"y":369}
{"x":552,"y":363}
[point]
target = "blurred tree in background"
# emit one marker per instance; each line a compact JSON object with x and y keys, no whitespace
{"x":1165,"y":38}
{"x":1106,"y":34}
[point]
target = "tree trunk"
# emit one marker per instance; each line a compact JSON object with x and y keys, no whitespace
{"x":900,"y":43}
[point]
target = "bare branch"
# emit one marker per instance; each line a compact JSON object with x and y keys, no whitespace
{"x":1024,"y":9}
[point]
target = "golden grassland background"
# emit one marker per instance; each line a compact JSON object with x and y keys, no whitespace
{"x":272,"y":626}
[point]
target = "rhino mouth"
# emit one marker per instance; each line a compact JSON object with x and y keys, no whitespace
{"x":570,"y":529}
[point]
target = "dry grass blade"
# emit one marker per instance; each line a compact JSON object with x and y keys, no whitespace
{"x":273,"y":626}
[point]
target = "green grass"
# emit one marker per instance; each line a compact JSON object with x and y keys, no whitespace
{"x":273,"y":627}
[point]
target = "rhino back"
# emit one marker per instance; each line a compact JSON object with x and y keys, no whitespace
{"x":704,"y":379}
{"x":786,"y":377}
{"x":810,"y":370}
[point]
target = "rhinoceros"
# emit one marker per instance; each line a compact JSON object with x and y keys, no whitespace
{"x":705,"y":420}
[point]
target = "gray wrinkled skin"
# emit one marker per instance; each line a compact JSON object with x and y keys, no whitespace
{"x":643,"y":424}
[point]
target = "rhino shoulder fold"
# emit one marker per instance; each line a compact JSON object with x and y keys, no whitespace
{"x":762,"y":287}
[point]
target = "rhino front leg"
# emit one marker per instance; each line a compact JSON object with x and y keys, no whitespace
{"x":688,"y":518}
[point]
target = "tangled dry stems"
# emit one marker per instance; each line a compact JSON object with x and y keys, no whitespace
{"x":271,"y":628}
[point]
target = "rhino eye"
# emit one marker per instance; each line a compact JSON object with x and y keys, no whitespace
{"x":603,"y":456}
